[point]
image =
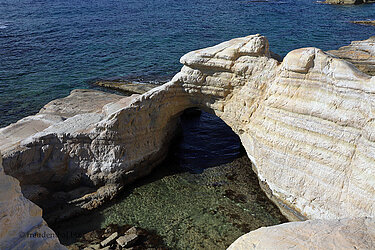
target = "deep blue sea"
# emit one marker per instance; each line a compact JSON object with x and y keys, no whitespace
{"x":48,"y":48}
{"x":205,"y":141}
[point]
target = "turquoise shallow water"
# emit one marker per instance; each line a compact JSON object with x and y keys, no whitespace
{"x":209,"y":210}
{"x":203,"y":196}
{"x":48,"y":48}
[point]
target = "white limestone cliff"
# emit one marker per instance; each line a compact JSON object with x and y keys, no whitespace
{"x":306,"y":123}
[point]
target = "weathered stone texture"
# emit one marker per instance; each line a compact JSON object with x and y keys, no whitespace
{"x":358,"y":233}
{"x":21,"y":222}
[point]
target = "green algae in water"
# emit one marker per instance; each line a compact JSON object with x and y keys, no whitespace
{"x":190,"y":211}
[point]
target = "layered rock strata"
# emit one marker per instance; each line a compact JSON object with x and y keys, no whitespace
{"x":48,"y":181}
{"x":63,"y":157}
{"x":21,"y":222}
{"x":306,"y":123}
{"x":360,"y":53}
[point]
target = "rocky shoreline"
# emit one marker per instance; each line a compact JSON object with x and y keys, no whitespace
{"x":306,"y":123}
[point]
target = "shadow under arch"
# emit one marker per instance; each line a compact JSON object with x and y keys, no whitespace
{"x":205,"y":141}
{"x":204,"y":206}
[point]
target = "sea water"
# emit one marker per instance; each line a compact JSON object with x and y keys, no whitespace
{"x":48,"y":48}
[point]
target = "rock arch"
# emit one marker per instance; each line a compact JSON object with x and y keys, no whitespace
{"x":306,"y":123}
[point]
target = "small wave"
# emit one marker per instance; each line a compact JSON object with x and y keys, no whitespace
{"x":3,"y":26}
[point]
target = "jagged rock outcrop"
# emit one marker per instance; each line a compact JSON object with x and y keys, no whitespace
{"x":307,"y":124}
{"x":360,"y":53}
{"x":348,"y":2}
{"x":358,"y":233}
{"x":21,"y":222}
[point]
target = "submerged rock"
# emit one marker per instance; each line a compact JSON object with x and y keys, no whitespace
{"x":127,"y":240}
{"x":360,"y":53}
{"x":188,"y":210}
{"x":357,"y":233}
{"x":121,"y":238}
{"x":109,"y":240}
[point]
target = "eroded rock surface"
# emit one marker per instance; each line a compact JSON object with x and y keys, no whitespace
{"x":47,"y":178}
{"x":358,"y":233}
{"x":360,"y":53}
{"x":306,"y":123}
{"x":21,"y":222}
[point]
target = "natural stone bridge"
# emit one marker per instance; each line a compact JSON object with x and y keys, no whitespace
{"x":307,"y":124}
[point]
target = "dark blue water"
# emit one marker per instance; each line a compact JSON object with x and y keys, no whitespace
{"x":48,"y":48}
{"x":206,"y":141}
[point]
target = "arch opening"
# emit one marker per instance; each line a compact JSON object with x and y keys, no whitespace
{"x":205,"y":141}
{"x":204,"y":195}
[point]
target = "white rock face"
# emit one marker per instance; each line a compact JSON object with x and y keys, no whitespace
{"x":307,"y":124}
{"x":21,"y":222}
{"x":358,"y":233}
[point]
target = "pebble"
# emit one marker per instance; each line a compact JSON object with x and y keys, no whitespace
{"x":109,"y":240}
